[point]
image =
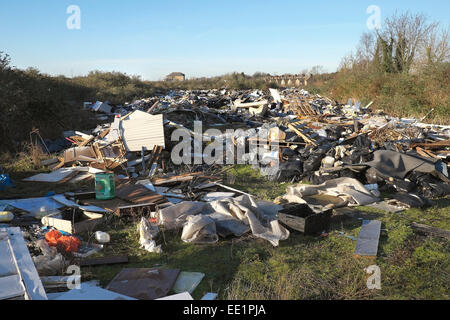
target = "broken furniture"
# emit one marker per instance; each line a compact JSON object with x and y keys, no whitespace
{"x":86,"y":222}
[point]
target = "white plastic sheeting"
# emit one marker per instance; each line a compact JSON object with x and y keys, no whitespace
{"x":174,"y":217}
{"x":346,"y":188}
{"x":147,"y":232}
{"x":199,"y":229}
{"x":258,"y":216}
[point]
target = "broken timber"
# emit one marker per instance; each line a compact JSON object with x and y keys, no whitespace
{"x":295,"y":127}
{"x":104,"y":260}
{"x":421,"y":228}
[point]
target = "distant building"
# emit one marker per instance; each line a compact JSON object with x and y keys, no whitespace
{"x":290,"y":80}
{"x":176,"y":76}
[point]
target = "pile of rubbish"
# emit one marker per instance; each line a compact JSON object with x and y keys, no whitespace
{"x":349,"y":156}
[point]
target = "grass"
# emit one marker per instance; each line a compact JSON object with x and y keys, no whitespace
{"x":399,"y":95}
{"x":23,"y":166}
{"x":248,"y":179}
{"x":302,"y":267}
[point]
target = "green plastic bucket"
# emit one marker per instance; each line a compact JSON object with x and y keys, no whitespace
{"x":104,"y":186}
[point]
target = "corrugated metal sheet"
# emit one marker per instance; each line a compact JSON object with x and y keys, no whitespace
{"x":18,"y":275}
{"x":141,"y":129}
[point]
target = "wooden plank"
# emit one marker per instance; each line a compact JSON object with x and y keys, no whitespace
{"x":139,"y":209}
{"x":81,"y":195}
{"x":85,"y":142}
{"x":59,"y":165}
{"x":421,"y":228}
{"x":422,"y":153}
{"x":137,"y":194}
{"x":58,"y":176}
{"x":299,"y":133}
{"x":433,"y":145}
{"x":179,"y":178}
{"x":367,"y":244}
{"x":104,"y":260}
{"x":239,"y":104}
{"x":153,"y":107}
{"x":104,"y":133}
{"x":111,"y":204}
{"x":154,"y":162}
{"x":49,"y":161}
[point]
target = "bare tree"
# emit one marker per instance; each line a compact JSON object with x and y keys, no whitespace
{"x":404,"y":35}
{"x":347,"y":62}
{"x":317,"y":70}
{"x":436,"y":48}
{"x":4,"y":61}
{"x":366,"y":50}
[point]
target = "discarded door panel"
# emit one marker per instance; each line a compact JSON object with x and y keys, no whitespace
{"x":142,"y":130}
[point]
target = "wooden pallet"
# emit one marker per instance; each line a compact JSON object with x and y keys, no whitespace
{"x":301,"y":107}
{"x":297,"y":127}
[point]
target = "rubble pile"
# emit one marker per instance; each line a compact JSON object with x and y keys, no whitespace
{"x":349,"y":155}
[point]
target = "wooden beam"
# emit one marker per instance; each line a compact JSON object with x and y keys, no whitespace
{"x":299,"y":133}
{"x":421,"y":228}
{"x":104,"y":260}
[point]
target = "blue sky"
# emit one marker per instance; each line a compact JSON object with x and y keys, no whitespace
{"x":200,"y":38}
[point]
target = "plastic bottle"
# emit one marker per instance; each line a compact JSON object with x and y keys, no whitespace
{"x":6,"y":216}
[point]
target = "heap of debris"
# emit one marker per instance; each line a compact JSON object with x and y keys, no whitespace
{"x":348,"y":154}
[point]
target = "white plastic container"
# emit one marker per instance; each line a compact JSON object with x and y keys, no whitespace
{"x":6,"y":216}
{"x":102,"y":237}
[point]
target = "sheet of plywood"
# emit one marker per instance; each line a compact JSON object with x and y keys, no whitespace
{"x":79,"y":154}
{"x":137,"y":193}
{"x":60,"y":198}
{"x":55,"y":176}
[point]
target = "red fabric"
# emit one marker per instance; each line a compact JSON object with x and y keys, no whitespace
{"x":70,"y":244}
{"x":52,"y":237}
{"x":67,"y":243}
